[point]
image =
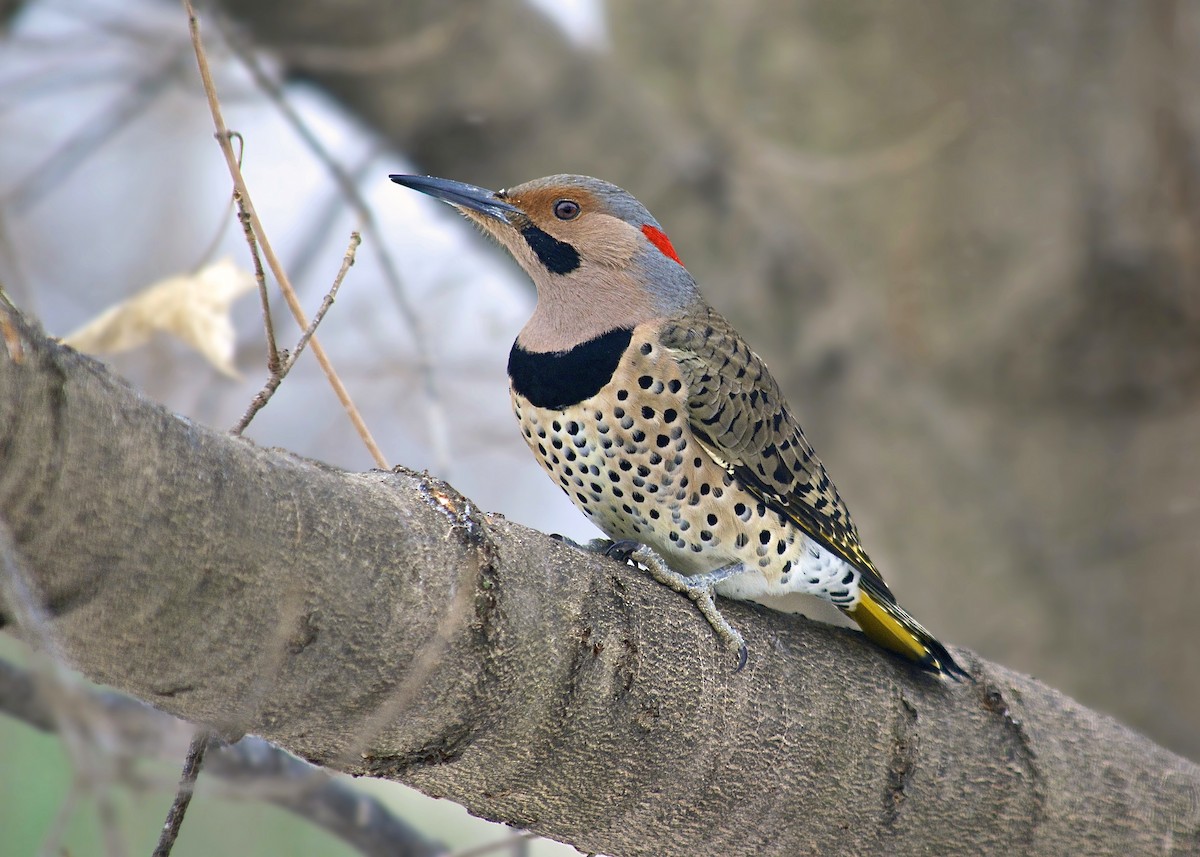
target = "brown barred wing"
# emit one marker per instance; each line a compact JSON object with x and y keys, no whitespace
{"x":738,"y":414}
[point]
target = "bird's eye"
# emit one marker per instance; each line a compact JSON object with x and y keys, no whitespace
{"x":566,"y":209}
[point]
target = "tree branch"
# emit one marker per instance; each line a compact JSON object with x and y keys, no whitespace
{"x":251,"y":767}
{"x":378,"y":623}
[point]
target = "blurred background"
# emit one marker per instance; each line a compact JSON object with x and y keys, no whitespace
{"x":965,"y":237}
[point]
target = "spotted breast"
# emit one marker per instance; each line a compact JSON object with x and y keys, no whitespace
{"x":609,"y":421}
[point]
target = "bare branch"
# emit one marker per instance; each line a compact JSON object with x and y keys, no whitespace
{"x":273,"y":262}
{"x":279,"y":371}
{"x":349,"y":189}
{"x":573,"y":697}
{"x":250,"y":769}
{"x":183,"y":795}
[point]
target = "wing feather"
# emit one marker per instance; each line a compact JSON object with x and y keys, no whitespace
{"x":738,"y":414}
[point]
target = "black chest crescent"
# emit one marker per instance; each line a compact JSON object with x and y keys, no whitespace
{"x":559,"y":379}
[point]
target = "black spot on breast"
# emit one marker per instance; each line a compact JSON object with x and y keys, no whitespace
{"x":558,"y":256}
{"x":559,"y":379}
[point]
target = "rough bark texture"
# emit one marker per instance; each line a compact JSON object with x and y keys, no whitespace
{"x":378,"y":623}
{"x":964,"y":239}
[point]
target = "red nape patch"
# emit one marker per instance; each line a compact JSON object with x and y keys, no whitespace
{"x":660,"y":240}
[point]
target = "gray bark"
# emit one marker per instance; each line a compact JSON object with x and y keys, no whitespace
{"x":380,"y":624}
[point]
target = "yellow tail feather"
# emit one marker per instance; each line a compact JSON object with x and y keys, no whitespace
{"x":888,"y":625}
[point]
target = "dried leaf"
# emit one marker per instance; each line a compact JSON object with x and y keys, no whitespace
{"x":193,"y":307}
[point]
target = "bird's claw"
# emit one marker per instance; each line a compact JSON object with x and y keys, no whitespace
{"x":699,"y":589}
{"x":621,"y":550}
{"x":743,"y":656}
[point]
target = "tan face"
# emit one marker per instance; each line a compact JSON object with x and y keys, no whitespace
{"x":571,"y":216}
{"x":580,"y":258}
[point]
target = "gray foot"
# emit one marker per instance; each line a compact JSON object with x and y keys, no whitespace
{"x":698,"y":588}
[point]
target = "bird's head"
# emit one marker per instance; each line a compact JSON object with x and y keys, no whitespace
{"x":597,"y":256}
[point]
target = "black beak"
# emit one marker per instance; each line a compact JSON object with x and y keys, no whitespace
{"x":460,"y":195}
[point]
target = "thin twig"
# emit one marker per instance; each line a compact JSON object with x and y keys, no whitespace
{"x":280,"y":371}
{"x":183,"y":795}
{"x":223,"y":224}
{"x":289,"y":294}
{"x":19,"y":593}
{"x":347,"y":261}
{"x":515,"y":839}
{"x":250,"y":769}
{"x":264,"y":297}
{"x":349,"y":187}
{"x":63,"y":161}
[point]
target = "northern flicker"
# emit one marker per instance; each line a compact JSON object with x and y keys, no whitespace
{"x":660,"y":423}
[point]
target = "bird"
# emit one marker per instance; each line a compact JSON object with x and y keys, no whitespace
{"x":661,"y":424}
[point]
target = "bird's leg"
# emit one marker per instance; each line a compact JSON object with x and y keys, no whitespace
{"x":699,"y":588}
